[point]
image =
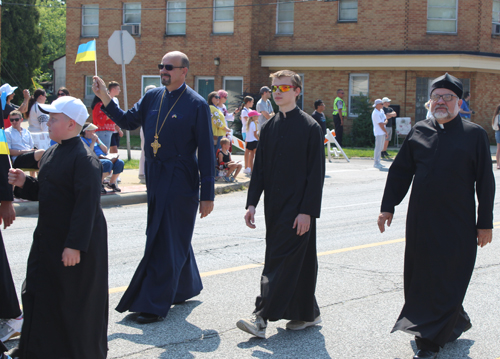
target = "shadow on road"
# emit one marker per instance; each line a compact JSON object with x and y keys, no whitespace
{"x":289,"y":344}
{"x":175,"y":329}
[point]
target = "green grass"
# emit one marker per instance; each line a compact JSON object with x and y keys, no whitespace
{"x":131,"y":164}
{"x":363,"y":152}
{"x":135,"y":142}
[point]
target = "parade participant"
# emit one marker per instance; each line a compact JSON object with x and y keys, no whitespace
{"x":288,"y":281}
{"x":177,"y":126}
{"x":65,"y":299}
{"x":11,"y":318}
{"x":449,"y":162}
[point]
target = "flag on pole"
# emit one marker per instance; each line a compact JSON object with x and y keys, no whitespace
{"x":86,"y":52}
{"x":4,"y":146}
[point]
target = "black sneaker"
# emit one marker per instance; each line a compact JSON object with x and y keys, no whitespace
{"x":387,"y":155}
{"x":103,"y":190}
{"x":382,"y":154}
{"x":113,"y":187}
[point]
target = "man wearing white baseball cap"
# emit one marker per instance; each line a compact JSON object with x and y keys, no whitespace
{"x":68,"y":262}
{"x":379,"y":131}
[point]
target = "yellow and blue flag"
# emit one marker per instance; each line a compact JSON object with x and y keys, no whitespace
{"x":4,"y":146}
{"x":86,"y":52}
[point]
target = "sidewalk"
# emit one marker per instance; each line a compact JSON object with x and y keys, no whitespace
{"x":133,"y":192}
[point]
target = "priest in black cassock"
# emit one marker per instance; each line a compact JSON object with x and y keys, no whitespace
{"x":65,"y":299}
{"x":291,"y":178}
{"x":176,"y":123}
{"x":449,"y":162}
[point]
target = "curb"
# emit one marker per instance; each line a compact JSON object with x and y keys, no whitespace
{"x":118,"y":199}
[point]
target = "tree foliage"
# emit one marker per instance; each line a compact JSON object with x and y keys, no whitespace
{"x":362,"y":129}
{"x":53,"y":27}
{"x":21,"y":44}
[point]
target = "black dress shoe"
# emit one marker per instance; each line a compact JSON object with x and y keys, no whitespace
{"x":146,"y":318}
{"x":425,"y":354}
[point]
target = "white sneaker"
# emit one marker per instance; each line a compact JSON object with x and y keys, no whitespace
{"x":10,"y":328}
{"x":256,"y":325}
{"x":378,"y":165}
{"x":300,"y":324}
{"x":247,"y":170}
{"x":119,"y":180}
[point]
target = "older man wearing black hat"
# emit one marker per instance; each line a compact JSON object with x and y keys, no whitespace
{"x":449,"y":162}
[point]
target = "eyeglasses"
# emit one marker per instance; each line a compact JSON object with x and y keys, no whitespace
{"x":447,"y":97}
{"x":15,"y":119}
{"x":169,"y":67}
{"x":282,"y":88}
{"x":61,"y":94}
{"x":217,"y":97}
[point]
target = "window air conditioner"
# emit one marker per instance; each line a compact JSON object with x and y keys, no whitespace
{"x":134,"y":30}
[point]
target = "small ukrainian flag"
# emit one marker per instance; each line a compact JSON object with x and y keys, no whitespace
{"x":86,"y":52}
{"x":4,"y":146}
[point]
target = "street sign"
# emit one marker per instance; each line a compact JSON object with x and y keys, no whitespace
{"x":115,"y":47}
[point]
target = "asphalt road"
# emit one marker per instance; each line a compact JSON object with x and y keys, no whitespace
{"x":360,"y":282}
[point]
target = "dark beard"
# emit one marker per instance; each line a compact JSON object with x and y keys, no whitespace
{"x":166,"y":80}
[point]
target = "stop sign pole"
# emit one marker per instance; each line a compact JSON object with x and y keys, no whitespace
{"x":125,"y":98}
{"x":121,"y":48}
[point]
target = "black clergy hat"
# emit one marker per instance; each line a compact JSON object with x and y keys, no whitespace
{"x":449,"y":82}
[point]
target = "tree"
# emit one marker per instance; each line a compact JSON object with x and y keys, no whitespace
{"x":53,"y":27}
{"x":21,"y":44}
{"x":362,"y":128}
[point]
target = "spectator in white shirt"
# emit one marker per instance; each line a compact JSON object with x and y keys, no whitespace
{"x":21,"y":145}
{"x":379,"y":131}
{"x":247,"y":107}
{"x":37,"y":119}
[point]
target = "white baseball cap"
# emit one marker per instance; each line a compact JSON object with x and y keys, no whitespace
{"x":70,"y":106}
{"x":377,"y":102}
{"x":386,"y":99}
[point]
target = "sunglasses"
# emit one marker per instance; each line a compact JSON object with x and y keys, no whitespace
{"x":169,"y":67}
{"x":15,"y":119}
{"x":217,"y":97}
{"x":61,"y":94}
{"x":282,"y":88}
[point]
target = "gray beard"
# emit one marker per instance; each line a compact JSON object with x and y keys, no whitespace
{"x":165,"y":81}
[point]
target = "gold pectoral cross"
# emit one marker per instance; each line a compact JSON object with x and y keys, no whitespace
{"x":155,"y":145}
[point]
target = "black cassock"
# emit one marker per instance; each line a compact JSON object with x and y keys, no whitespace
{"x":448,"y":167}
{"x":290,"y":169}
{"x":66,"y":308}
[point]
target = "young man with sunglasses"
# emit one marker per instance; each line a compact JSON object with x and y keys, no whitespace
{"x":21,"y":144}
{"x":179,"y":150}
{"x":449,"y":162}
{"x":288,"y":281}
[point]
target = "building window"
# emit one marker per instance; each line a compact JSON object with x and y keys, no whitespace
{"x":90,"y":20}
{"x":234,"y":87}
{"x":150,"y":80}
{"x":132,"y":13}
{"x":284,"y":18}
{"x":442,"y":16}
{"x":204,"y":85}
{"x":496,"y":17}
{"x":358,"y":86}
{"x":176,"y":17}
{"x":223,"y":16}
{"x":348,"y":10}
{"x":300,"y":98}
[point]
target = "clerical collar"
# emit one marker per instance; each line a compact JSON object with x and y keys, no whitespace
{"x":291,"y":112}
{"x":175,"y":92}
{"x":449,"y":124}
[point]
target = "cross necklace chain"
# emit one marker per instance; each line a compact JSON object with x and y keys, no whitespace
{"x":155,"y":144}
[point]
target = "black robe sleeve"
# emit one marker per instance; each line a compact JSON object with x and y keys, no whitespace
{"x":5,"y":187}
{"x":29,"y":190}
{"x":485,"y":185}
{"x":87,"y":195}
{"x":311,"y":201}
{"x":257,"y":180}
{"x":399,"y":178}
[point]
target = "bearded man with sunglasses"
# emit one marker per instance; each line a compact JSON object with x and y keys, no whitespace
{"x":179,"y":150}
{"x":288,"y":281}
{"x":449,"y":162}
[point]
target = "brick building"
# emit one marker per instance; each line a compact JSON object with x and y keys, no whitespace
{"x":374,"y":47}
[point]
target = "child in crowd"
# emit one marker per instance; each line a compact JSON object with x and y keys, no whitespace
{"x":247,"y":107}
{"x":252,"y":138}
{"x":224,"y":160}
{"x":65,"y":299}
